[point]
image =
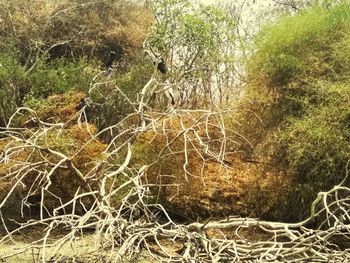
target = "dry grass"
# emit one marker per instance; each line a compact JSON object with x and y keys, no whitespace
{"x":192,"y":183}
{"x":73,"y":28}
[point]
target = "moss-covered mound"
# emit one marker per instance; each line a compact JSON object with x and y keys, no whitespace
{"x":299,"y":102}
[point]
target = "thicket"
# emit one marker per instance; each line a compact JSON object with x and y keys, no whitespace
{"x":50,"y":47}
{"x":73,"y":28}
{"x":70,"y":139}
{"x":53,"y":56}
{"x":56,"y":166}
{"x":299,"y":87}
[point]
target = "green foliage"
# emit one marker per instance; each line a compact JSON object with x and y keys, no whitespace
{"x":295,"y":62}
{"x":143,"y":151}
{"x":56,"y":108}
{"x":55,"y":48}
{"x":197,"y":43}
{"x":115,"y":99}
{"x":298,"y":85}
{"x":302,"y":48}
{"x":317,"y":146}
{"x":12,"y":82}
{"x":59,"y":76}
{"x":46,"y":78}
{"x":200,"y":35}
{"x":206,"y":32}
{"x":204,"y":27}
{"x":132,"y":80}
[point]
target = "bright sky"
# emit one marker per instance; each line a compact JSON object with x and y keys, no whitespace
{"x":253,"y":13}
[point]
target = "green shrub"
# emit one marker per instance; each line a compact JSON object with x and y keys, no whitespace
{"x":298,"y":91}
{"x":114,"y":100}
{"x":317,"y":146}
{"x":302,"y":48}
{"x":135,"y":77}
{"x":58,"y":47}
{"x":58,"y":77}
{"x":35,"y":86}
{"x":12,"y":83}
{"x":295,"y":64}
{"x":56,"y":108}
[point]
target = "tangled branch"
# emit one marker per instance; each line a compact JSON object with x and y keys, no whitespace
{"x":114,"y":199}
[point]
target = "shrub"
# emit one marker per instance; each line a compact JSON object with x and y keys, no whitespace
{"x":12,"y":83}
{"x":35,"y":86}
{"x":317,"y":145}
{"x":75,"y":140}
{"x":302,"y":48}
{"x":75,"y":28}
{"x":298,"y":92}
{"x":115,"y":99}
{"x":56,"y":48}
{"x":135,"y":77}
{"x":58,"y":77}
{"x":296,"y":62}
{"x":56,"y":108}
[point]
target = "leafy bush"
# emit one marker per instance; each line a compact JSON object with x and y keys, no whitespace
{"x":46,"y":79}
{"x":203,"y":53}
{"x":12,"y":83}
{"x":317,"y":145}
{"x":56,"y":108}
{"x":59,"y":47}
{"x":132,"y":80}
{"x":302,"y":48}
{"x":58,"y":77}
{"x":115,"y":99}
{"x":295,"y":63}
{"x":76,"y":141}
{"x":298,"y":92}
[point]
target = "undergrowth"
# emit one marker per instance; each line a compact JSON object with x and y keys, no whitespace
{"x":298,"y":91}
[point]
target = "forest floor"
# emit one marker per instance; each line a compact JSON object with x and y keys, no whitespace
{"x":83,"y":249}
{"x":219,"y":189}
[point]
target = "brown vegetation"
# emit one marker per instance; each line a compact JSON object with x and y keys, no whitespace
{"x":74,"y":28}
{"x":41,"y":146}
{"x":193,"y":183}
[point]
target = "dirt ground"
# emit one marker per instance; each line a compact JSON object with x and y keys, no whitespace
{"x":79,"y":250}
